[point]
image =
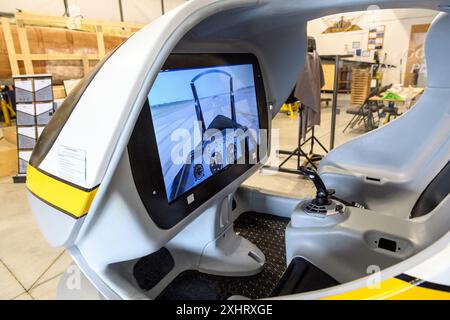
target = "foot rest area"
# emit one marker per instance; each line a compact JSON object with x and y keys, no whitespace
{"x":302,"y":276}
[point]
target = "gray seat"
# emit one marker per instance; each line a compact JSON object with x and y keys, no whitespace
{"x":387,"y":170}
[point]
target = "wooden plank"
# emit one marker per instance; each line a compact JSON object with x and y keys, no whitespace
{"x":100,"y":42}
{"x":24,"y":47}
{"x":39,"y":44}
{"x":10,"y":46}
{"x":31,"y":18}
{"x":57,"y":56}
{"x":86,"y":66}
{"x":128,"y":32}
{"x":328,"y":71}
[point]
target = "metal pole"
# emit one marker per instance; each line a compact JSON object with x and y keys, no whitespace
{"x":121,"y":10}
{"x":162,"y":7}
{"x":334,"y":105}
{"x":301,"y":118}
{"x":66,"y":8}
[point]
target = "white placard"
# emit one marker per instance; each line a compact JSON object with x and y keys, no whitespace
{"x":27,"y":131}
{"x":26,"y":85}
{"x":25,"y":155}
{"x":27,"y":108}
{"x":43,"y":107}
{"x":42,"y":83}
{"x":72,"y":164}
{"x":39,"y":131}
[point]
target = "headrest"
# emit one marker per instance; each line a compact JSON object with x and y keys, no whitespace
{"x":437,"y":52}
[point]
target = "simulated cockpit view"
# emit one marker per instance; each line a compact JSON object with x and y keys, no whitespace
{"x":214,"y":105}
{"x":243,"y":151}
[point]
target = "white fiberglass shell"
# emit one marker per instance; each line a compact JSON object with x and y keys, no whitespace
{"x":117,"y":229}
{"x":404,"y":156}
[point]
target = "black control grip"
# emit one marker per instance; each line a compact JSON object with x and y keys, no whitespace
{"x":322,"y":192}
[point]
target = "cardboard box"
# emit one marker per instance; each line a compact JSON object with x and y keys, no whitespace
{"x":10,"y":134}
{"x":8,"y":158}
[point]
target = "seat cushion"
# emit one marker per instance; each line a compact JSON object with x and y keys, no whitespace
{"x":302,"y":276}
{"x":356,"y":110}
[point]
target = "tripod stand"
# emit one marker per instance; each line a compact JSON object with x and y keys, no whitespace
{"x":298,"y":151}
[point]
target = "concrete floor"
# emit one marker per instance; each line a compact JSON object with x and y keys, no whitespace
{"x":30,"y":269}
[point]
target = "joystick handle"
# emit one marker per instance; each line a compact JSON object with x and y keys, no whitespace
{"x":322,"y":193}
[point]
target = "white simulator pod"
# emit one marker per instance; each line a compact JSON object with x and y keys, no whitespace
{"x":212,"y":108}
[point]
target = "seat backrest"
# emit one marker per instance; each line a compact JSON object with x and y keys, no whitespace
{"x":437,"y":45}
{"x":433,"y":195}
{"x":389,"y":168}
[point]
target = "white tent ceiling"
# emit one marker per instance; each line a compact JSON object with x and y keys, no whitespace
{"x":133,"y":10}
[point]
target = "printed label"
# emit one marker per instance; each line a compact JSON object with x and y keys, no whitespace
{"x":72,"y":164}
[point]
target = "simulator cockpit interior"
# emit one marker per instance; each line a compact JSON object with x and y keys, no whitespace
{"x":146,"y":190}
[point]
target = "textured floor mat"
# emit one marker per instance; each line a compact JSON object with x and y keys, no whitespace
{"x":265,"y":231}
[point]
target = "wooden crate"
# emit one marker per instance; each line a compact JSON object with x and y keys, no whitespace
{"x":32,"y":44}
{"x":361,"y":78}
{"x":8,"y":159}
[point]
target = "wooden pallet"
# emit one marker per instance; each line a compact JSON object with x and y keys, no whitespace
{"x":361,"y":78}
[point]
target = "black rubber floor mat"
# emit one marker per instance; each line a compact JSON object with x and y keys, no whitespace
{"x":265,"y":231}
{"x":149,"y":270}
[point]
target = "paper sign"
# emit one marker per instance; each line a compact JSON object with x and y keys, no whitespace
{"x":26,"y":85}
{"x":27,"y":108}
{"x":39,"y":131}
{"x":25,"y":155}
{"x":40,"y":84}
{"x":72,"y":164}
{"x":43,"y":107}
{"x":27,"y":131}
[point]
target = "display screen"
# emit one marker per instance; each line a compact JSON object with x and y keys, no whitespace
{"x":205,"y":120}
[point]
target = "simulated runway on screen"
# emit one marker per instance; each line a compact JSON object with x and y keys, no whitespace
{"x":181,"y":115}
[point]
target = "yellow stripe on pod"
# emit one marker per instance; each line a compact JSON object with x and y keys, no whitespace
{"x":393,"y":289}
{"x":59,"y":194}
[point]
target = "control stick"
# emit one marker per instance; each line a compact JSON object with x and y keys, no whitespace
{"x":322,"y":193}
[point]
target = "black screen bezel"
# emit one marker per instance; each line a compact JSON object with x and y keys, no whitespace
{"x":143,"y":149}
